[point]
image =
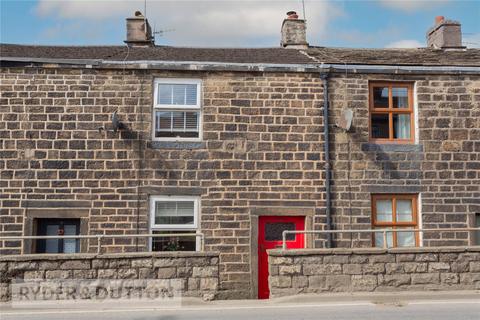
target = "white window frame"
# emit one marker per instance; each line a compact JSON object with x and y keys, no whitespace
{"x":182,"y":108}
{"x":175,"y":227}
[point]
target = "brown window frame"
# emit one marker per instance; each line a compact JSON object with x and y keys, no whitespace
{"x":391,"y":111}
{"x":394,"y":224}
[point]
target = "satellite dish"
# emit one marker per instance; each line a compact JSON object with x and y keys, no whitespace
{"x":345,"y":121}
{"x":116,"y":124}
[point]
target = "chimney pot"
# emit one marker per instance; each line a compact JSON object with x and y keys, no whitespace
{"x":294,"y":32}
{"x":139,"y":33}
{"x":292,"y":15}
{"x":439,"y":19}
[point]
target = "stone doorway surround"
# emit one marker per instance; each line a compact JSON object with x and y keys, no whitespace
{"x":255,"y":212}
{"x":61,"y":213}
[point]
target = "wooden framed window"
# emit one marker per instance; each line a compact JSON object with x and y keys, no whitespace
{"x":395,"y":211}
{"x":391,"y":112}
{"x":477,"y":233}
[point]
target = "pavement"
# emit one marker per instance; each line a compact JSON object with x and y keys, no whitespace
{"x":459,"y":305}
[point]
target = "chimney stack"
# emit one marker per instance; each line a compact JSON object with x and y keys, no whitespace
{"x":139,"y":33}
{"x":446,"y":34}
{"x":294,"y":32}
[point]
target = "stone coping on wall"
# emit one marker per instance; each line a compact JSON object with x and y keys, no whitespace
{"x":82,"y":256}
{"x":194,"y":274}
{"x":373,"y":269}
{"x":342,"y":251}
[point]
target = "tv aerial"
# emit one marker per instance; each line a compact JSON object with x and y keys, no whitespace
{"x":160,"y":32}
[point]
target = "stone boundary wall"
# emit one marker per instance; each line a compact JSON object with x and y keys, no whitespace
{"x":197,"y":271}
{"x":351,"y":270}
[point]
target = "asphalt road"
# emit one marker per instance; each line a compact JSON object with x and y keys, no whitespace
{"x":459,"y":308}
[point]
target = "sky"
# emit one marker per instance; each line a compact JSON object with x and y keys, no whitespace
{"x":235,"y":23}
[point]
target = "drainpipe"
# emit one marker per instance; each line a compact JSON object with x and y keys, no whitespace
{"x":324,"y":77}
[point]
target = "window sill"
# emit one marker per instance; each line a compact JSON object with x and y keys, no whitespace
{"x":386,"y":147}
{"x":176,"y":145}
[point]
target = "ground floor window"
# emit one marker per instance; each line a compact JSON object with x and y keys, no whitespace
{"x":477,"y":233}
{"x":174,"y":243}
{"x":57,"y":227}
{"x":395,"y":211}
{"x":174,"y":215}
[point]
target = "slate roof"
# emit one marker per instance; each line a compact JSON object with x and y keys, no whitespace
{"x":160,"y":53}
{"x":413,"y":57}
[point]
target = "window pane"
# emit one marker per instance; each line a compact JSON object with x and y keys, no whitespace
{"x":174,"y":212}
{"x":183,"y":124}
{"x":404,"y":211}
{"x":380,"y":128}
{"x":165,"y":94}
{"x":70,"y":245}
{"x":185,"y":208}
{"x":191,"y":94}
{"x":379,"y":239}
{"x":401,"y":126}
{"x":380,"y":97}
{"x":178,"y":95}
{"x":51,"y":245}
{"x":173,"y":243}
{"x":477,"y":225}
{"x":274,"y":231}
{"x":178,"y":121}
{"x":164,"y":121}
{"x":406,"y":239}
{"x":384,"y":210}
{"x":400,"y":97}
{"x":191,"y":121}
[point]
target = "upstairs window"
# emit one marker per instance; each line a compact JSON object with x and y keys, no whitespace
{"x":391,"y":112}
{"x":177,"y":109}
{"x":395,"y":211}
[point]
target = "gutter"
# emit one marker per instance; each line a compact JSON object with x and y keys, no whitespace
{"x":247,"y":67}
{"x":324,"y":77}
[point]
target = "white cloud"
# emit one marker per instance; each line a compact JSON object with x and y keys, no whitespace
{"x":412,"y":5}
{"x":405,"y":44}
{"x":201,"y":22}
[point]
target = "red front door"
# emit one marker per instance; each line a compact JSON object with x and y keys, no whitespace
{"x":270,"y":229}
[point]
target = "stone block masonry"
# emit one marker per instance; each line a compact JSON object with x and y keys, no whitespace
{"x":197,"y":273}
{"x":344,"y":270}
{"x":262,"y":149}
{"x":441,"y":166}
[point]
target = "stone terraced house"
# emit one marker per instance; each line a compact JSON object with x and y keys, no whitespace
{"x":238,"y":144}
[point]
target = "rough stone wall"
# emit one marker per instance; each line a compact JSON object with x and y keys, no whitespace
{"x":342,"y":270}
{"x":196,"y":272}
{"x":443,"y":166}
{"x":261,"y":148}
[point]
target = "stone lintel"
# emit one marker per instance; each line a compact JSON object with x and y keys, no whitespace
{"x":162,"y":190}
{"x":56,"y":204}
{"x":84,"y":256}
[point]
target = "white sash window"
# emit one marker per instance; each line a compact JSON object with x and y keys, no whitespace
{"x":177,"y":109}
